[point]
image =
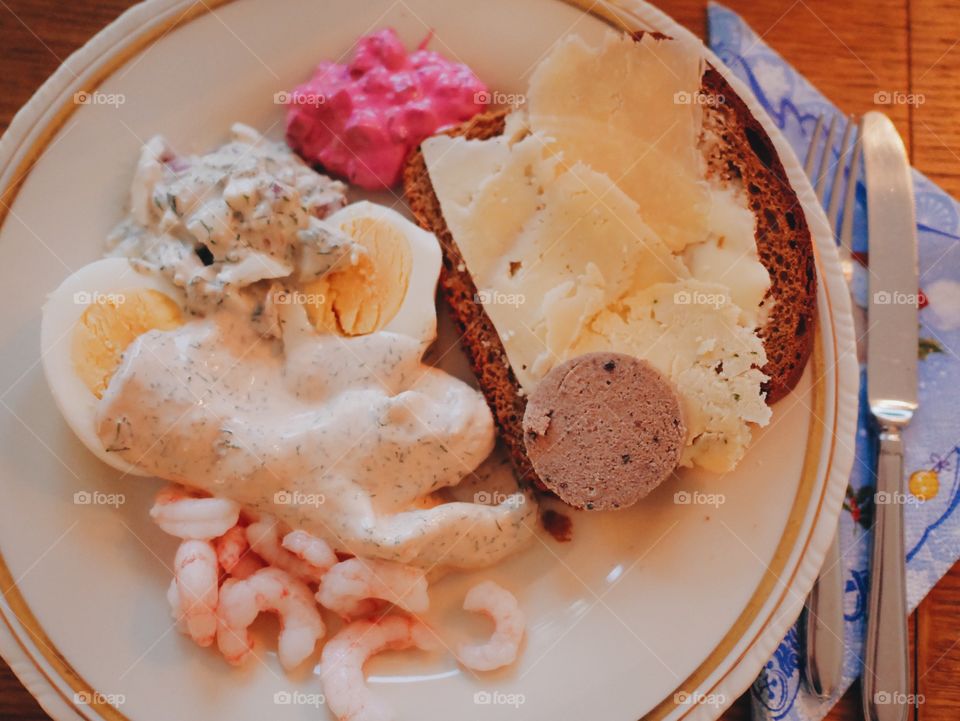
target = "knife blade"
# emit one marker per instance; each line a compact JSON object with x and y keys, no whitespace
{"x":893,"y":335}
{"x":892,"y":341}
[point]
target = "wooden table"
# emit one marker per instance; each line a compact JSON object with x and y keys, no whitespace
{"x":850,"y":50}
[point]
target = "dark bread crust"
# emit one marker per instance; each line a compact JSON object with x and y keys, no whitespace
{"x":744,"y":155}
{"x":784,"y":246}
{"x":477,"y":335}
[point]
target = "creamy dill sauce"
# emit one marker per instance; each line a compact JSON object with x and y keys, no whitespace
{"x":357,"y":430}
{"x":345,"y":437}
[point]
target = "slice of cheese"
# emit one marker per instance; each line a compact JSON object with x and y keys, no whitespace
{"x":692,"y":333}
{"x":588,"y":225}
{"x":729,"y":254}
{"x":630,"y":109}
{"x":547,"y":248}
{"x":503,"y":188}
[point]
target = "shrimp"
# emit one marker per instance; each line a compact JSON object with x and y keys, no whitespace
{"x":173,"y":598}
{"x":234,"y":554}
{"x":269,"y":589}
{"x":343,"y":657}
{"x":348,"y":587}
{"x":311,"y":549}
{"x":264,"y":539}
{"x":196,"y":576}
{"x":191,"y":517}
{"x":501,"y":650}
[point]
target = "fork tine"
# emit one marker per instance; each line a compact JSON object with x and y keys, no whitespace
{"x":846,"y":228}
{"x":825,"y":160}
{"x":812,"y":149}
{"x":836,"y":189}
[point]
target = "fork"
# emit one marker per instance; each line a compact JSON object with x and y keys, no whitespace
{"x":823,"y":620}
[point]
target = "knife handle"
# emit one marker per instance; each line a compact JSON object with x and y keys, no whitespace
{"x":886,"y":663}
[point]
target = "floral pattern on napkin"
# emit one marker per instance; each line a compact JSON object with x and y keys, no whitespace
{"x":932,"y":440}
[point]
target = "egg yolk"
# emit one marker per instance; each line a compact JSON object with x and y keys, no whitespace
{"x":364,"y":296}
{"x":110,"y":324}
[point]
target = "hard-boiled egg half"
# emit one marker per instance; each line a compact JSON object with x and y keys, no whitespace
{"x":390,"y":287}
{"x":102,"y":308}
{"x":87,"y":324}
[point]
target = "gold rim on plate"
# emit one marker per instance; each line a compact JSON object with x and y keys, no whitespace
{"x":616,"y":17}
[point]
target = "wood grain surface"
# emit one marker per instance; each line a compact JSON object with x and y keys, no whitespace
{"x":850,"y":50}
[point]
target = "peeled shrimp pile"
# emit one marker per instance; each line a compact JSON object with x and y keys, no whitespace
{"x":230,"y":568}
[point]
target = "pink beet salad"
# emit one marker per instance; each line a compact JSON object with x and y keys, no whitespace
{"x":360,"y":120}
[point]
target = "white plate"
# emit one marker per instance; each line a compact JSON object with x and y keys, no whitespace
{"x":643,"y":609}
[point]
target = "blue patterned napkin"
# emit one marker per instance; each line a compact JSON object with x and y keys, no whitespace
{"x":932,"y":440}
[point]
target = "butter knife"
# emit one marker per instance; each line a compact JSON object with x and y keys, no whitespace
{"x":892,"y":394}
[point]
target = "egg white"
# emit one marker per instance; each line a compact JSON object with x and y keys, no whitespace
{"x":61,"y":313}
{"x":417,"y":314}
{"x":416,"y":317}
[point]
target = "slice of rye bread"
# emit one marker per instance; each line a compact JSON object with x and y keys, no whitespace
{"x":739,"y":151}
